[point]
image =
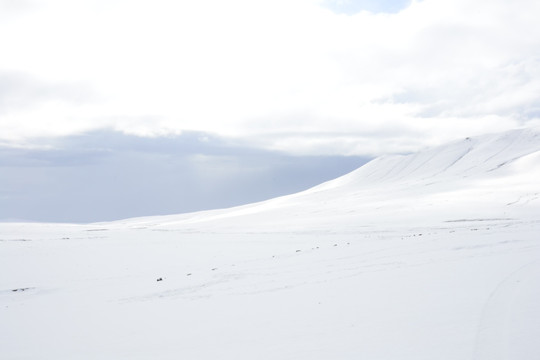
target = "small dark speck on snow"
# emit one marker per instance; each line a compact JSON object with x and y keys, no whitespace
{"x":21,"y":289}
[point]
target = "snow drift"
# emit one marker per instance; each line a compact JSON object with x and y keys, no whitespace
{"x":432,"y":255}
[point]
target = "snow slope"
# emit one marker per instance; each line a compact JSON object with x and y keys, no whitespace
{"x":432,"y":255}
{"x":486,"y":177}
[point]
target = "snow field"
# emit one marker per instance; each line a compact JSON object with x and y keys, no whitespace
{"x":434,"y":255}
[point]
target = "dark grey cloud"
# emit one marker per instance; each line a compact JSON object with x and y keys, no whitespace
{"x":106,"y":175}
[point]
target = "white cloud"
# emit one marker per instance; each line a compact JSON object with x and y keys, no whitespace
{"x":288,"y":75}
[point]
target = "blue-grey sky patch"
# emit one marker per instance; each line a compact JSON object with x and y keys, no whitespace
{"x":351,"y":7}
{"x":106,"y":175}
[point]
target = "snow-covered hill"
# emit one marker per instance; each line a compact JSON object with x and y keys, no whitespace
{"x":486,"y":177}
{"x":433,"y":255}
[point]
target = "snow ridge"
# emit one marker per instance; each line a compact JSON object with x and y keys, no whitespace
{"x":439,"y":181}
{"x":471,"y":157}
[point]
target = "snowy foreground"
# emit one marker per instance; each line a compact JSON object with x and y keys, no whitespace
{"x":434,"y":255}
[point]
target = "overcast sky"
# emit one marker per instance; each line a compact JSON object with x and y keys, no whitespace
{"x":295,"y":79}
{"x":106,"y":175}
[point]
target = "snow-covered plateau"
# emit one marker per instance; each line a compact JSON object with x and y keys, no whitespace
{"x":432,"y":255}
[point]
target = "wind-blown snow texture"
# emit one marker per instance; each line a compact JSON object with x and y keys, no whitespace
{"x":433,"y":255}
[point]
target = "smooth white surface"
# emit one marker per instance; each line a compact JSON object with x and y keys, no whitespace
{"x":433,"y":255}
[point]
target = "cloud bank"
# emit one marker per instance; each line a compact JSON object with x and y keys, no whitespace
{"x":106,"y":175}
{"x":300,"y":76}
